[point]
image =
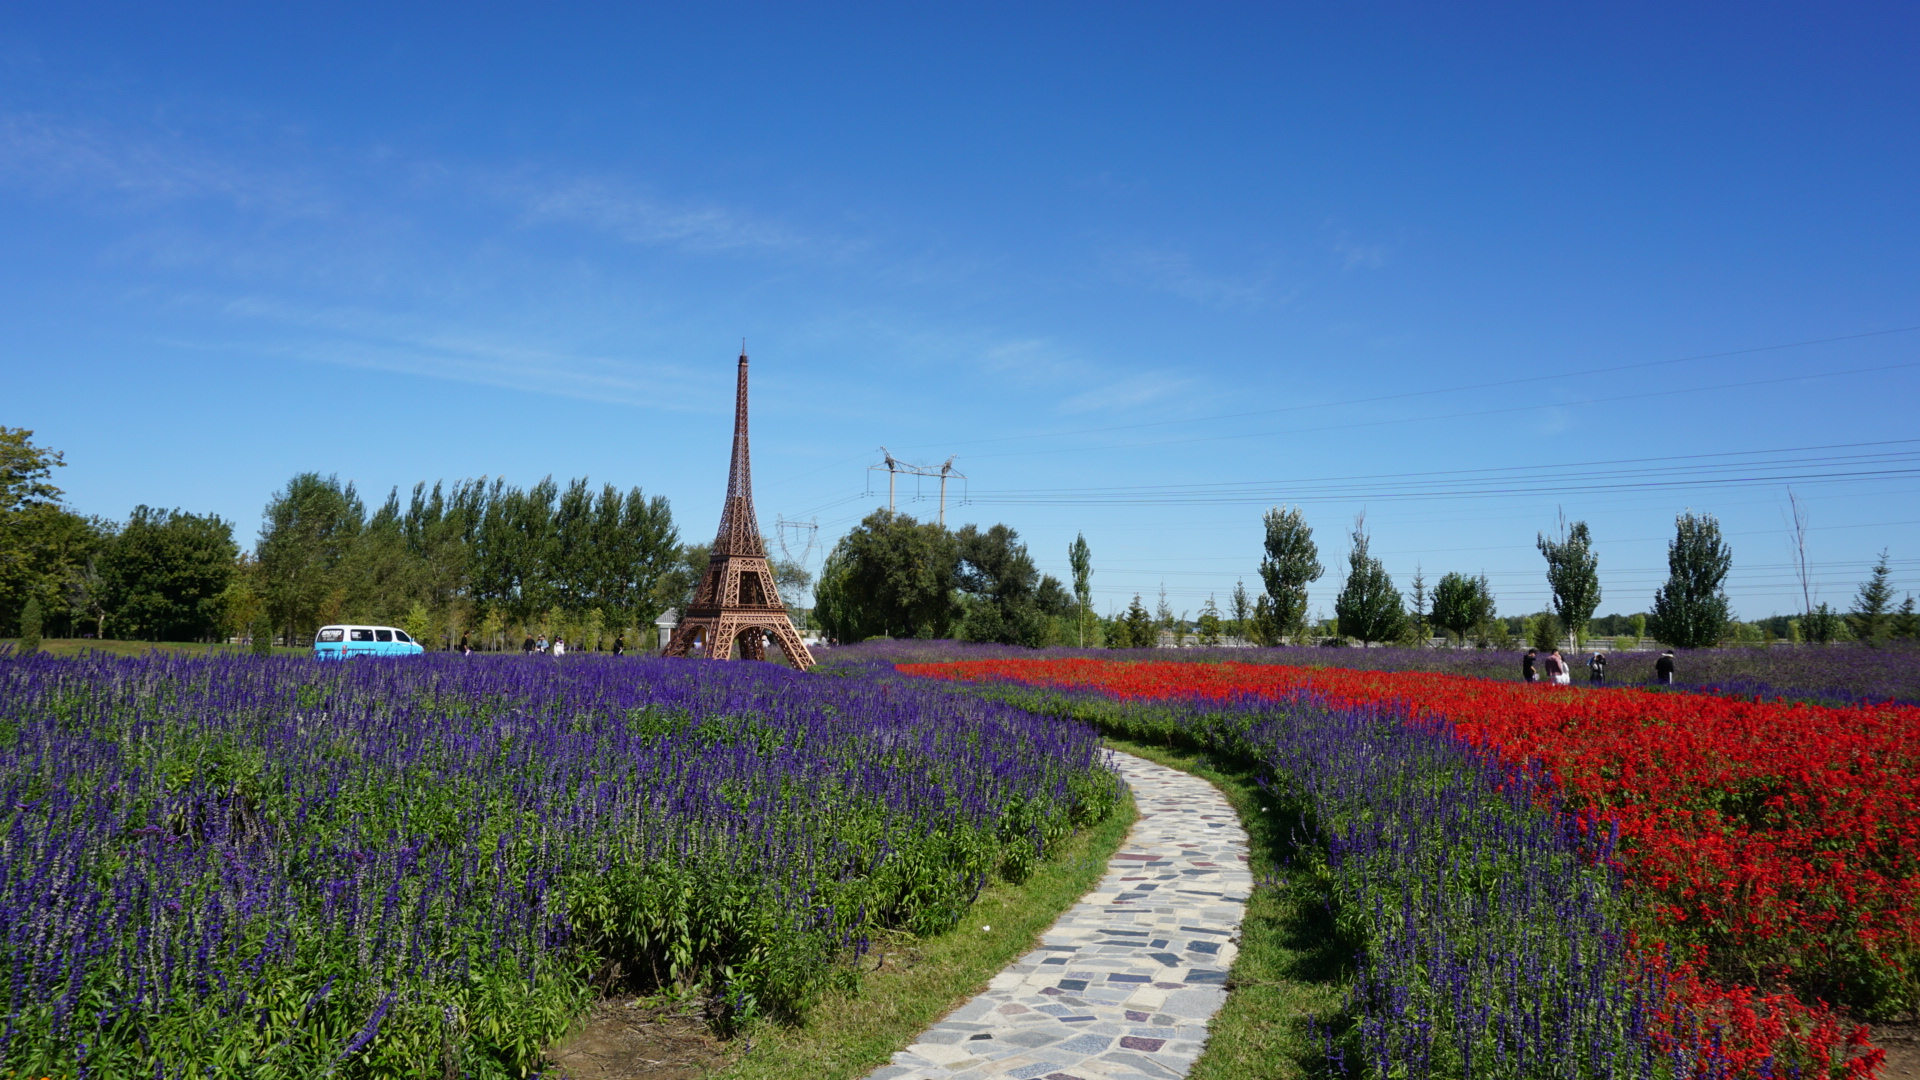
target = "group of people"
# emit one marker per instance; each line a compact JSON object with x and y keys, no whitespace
{"x":1555,"y":668}
{"x":556,"y":647}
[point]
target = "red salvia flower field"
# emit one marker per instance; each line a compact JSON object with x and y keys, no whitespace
{"x":1773,"y":841}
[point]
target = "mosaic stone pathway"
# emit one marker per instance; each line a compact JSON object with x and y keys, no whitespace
{"x":1122,"y":987}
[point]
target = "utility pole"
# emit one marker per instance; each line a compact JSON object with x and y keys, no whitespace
{"x":894,"y":467}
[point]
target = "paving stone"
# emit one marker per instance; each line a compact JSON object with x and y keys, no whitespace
{"x":1104,"y":997}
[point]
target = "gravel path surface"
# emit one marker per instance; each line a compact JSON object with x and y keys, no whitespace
{"x":1122,"y":987}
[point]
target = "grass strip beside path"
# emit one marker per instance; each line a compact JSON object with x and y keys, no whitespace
{"x":849,"y":1035}
{"x":1290,"y":974}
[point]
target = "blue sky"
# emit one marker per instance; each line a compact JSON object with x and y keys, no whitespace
{"x":1145,"y":270}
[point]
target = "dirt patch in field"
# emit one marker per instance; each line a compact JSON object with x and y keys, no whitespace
{"x":631,"y":1040}
{"x":1902,"y":1044}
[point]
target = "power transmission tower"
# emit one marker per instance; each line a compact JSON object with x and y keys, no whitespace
{"x":812,"y":528}
{"x":894,"y":467}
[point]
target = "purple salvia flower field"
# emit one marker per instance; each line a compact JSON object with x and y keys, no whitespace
{"x":281,"y":868}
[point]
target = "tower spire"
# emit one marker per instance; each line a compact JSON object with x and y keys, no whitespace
{"x":739,"y":528}
{"x":737,"y":600}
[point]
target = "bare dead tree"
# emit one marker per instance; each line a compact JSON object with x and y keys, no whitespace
{"x":1800,"y":550}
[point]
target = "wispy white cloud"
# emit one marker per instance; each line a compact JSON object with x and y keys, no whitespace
{"x":624,"y":211}
{"x":64,"y":158}
{"x":373,"y":341}
{"x":1089,"y":386}
{"x":1176,"y":273}
{"x":1130,"y":392}
{"x":1355,"y":255}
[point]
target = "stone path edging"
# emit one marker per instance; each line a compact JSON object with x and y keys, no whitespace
{"x":1123,"y":985}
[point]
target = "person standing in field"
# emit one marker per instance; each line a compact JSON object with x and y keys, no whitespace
{"x":1555,"y":668}
{"x":1597,"y":668}
{"x":466,"y":647}
{"x":620,"y":645}
{"x":1663,"y":668}
{"x":1526,"y":667}
{"x":526,"y":647}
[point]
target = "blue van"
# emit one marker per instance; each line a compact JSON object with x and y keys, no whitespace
{"x":341,"y":641}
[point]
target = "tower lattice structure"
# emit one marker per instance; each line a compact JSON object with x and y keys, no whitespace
{"x":737,"y":600}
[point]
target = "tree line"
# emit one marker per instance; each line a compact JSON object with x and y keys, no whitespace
{"x":490,"y":561}
{"x":893,"y":576}
{"x":481,"y":558}
{"x":159,"y":575}
{"x":1690,"y":610}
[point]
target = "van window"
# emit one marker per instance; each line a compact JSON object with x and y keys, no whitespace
{"x":383,"y":635}
{"x":360,"y":635}
{"x":401,"y":635}
{"x":331,"y":633}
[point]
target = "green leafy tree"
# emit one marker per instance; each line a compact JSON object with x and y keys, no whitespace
{"x":53,"y":550}
{"x":165,"y":574}
{"x":1461,"y":604}
{"x":418,"y":623}
{"x":674,"y":588}
{"x":1369,"y":607}
{"x":1133,"y":630}
{"x":1080,"y":560}
{"x":1242,"y":610}
{"x":1906,"y":621}
{"x":1543,"y":631}
{"x":262,"y":635}
{"x":1691,"y":611}
{"x":795,"y":584}
{"x":1010,"y":601}
{"x":1264,"y":627}
{"x":1820,"y":626}
{"x":45,"y":549}
{"x":1871,"y":619}
{"x":30,"y":626}
{"x":1291,"y":563}
{"x":1207,"y":627}
{"x":1573,"y":575}
{"x":26,"y":472}
{"x":307,"y":531}
{"x":890,"y":576}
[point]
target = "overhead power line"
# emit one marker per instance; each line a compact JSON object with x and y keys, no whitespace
{"x":1464,"y":388}
{"x":1693,"y":470}
{"x":1508,"y":410}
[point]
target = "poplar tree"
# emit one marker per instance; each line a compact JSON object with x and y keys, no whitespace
{"x":1368,"y":607}
{"x":1080,"y":559}
{"x":1573,"y":575}
{"x":1691,"y":611}
{"x":1290,"y":564}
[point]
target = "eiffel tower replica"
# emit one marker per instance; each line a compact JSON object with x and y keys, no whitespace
{"x":737,"y":599}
